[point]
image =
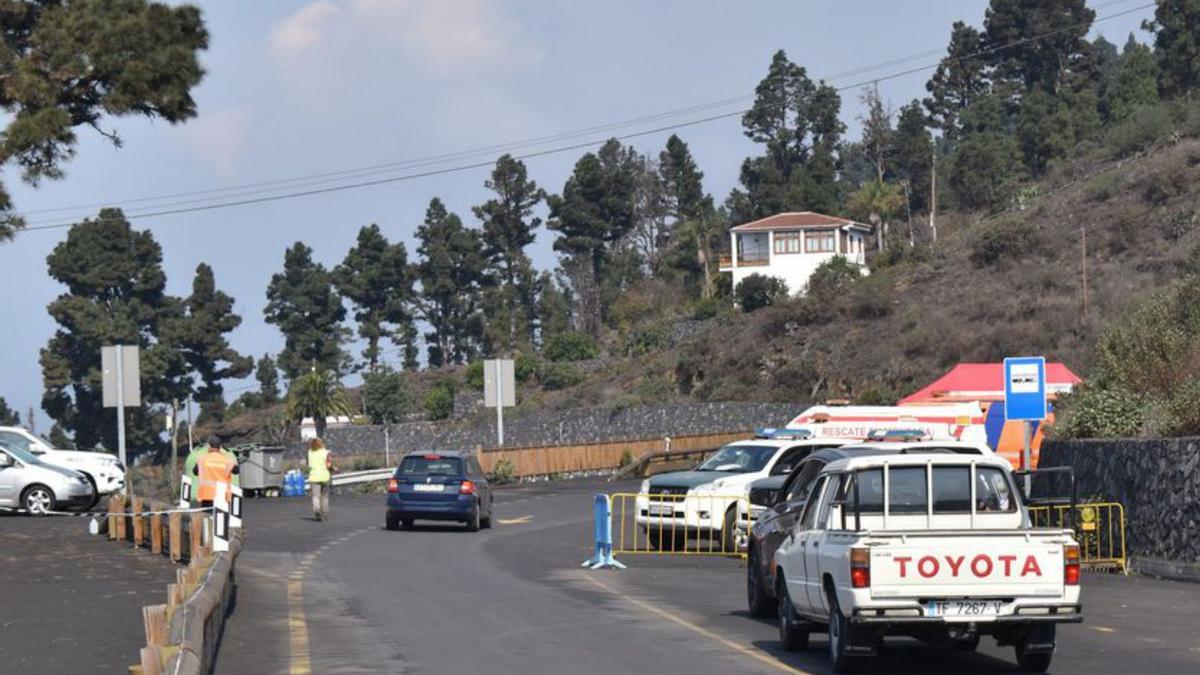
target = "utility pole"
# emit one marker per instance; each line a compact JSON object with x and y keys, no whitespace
{"x":933,"y":194}
{"x":171,"y":478}
{"x":191,"y":443}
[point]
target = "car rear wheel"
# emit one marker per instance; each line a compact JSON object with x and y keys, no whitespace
{"x":473,"y":521}
{"x":38,"y":500}
{"x":393,"y":522}
{"x":760,"y":604}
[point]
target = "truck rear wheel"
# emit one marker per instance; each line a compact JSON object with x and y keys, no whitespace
{"x":793,"y":635}
{"x":839,"y":635}
{"x":1036,"y":649}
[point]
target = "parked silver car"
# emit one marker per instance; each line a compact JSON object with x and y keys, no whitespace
{"x":29,"y":484}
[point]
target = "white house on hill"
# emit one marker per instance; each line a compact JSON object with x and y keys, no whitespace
{"x":790,"y":246}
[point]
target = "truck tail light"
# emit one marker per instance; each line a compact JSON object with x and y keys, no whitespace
{"x":393,"y":485}
{"x":860,"y":568}
{"x":468,"y":487}
{"x":1071,"y":564}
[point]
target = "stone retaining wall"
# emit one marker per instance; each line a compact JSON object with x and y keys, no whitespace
{"x":1157,"y":482}
{"x":568,"y":427}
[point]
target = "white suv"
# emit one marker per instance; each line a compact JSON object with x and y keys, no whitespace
{"x":704,"y":500}
{"x":104,"y":471}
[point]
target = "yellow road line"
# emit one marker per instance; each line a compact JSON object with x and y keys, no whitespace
{"x":300,"y":658}
{"x":514,"y":521}
{"x":1103,"y":629}
{"x":700,"y":630}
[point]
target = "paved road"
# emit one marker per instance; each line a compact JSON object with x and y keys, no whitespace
{"x":347,"y":596}
{"x":71,"y":602}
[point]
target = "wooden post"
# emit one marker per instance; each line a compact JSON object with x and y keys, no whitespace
{"x":154,"y":619}
{"x":156,"y":529}
{"x":122,"y":530}
{"x":196,"y":535}
{"x":151,"y":660}
{"x":139,"y":527}
{"x":175,"y":536}
{"x":174,"y":595}
{"x":112,"y":519}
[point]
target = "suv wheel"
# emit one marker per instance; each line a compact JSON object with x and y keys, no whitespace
{"x":38,"y":499}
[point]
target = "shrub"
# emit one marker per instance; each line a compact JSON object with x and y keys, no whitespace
{"x":644,"y":340}
{"x":872,"y":297}
{"x":706,"y":308}
{"x":1144,"y":128}
{"x":524,"y":367}
{"x":1180,"y":223}
{"x":898,"y":252}
{"x":833,"y":277}
{"x":626,"y":458}
{"x":757,"y":291}
{"x":556,"y":376}
{"x":1103,"y":187}
{"x":570,"y":346}
{"x":503,"y":473}
{"x":998,"y":240}
{"x":1093,"y":412}
{"x":473,"y":376}
{"x":439,"y":402}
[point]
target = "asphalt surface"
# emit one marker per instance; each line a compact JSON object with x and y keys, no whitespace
{"x":71,"y":602}
{"x":347,"y":596}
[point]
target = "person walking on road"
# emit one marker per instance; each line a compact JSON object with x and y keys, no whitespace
{"x":212,"y":467}
{"x":320,"y":477}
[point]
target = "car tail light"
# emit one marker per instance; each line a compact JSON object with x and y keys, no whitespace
{"x":468,"y":487}
{"x":393,"y":485}
{"x":433,"y":456}
{"x":860,"y":567}
{"x":1071,"y":564}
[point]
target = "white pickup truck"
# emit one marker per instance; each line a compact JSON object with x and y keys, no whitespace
{"x":937,"y":547}
{"x":104,"y":471}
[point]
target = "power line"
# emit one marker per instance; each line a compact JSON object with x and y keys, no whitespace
{"x":256,"y":197}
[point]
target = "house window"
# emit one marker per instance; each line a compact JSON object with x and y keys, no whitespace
{"x":819,"y":242}
{"x":787,"y":242}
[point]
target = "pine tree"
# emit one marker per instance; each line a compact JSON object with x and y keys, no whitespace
{"x":1177,"y":46}
{"x":878,"y":137}
{"x":115,"y":295}
{"x":554,"y":306}
{"x":375,"y":277}
{"x":199,"y":336}
{"x":960,"y":79}
{"x":986,"y":164}
{"x":267,"y":376}
{"x":913,"y":157}
{"x":70,"y":64}
{"x":593,"y":213}
{"x":452,"y":272}
{"x":508,"y":227}
{"x":8,"y":416}
{"x":1134,"y":82}
{"x":302,"y":303}
{"x":696,"y":231}
{"x":1021,"y":62}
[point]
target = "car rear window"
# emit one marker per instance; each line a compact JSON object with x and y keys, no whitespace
{"x":431,"y":465}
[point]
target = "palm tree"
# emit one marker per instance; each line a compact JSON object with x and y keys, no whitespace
{"x":317,"y":394}
{"x":877,"y":201}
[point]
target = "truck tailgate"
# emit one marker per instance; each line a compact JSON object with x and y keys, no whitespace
{"x":992,"y":564}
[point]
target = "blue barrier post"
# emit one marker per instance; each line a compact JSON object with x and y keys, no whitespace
{"x":603,"y":557}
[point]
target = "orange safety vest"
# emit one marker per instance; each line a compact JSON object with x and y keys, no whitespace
{"x":214,"y":468}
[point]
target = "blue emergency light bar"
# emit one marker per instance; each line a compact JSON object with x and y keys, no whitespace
{"x":782,"y":434}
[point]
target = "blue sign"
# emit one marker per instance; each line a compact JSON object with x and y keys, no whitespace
{"x":1025,"y":388}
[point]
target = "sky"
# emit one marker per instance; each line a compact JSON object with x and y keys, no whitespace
{"x":301,"y":89}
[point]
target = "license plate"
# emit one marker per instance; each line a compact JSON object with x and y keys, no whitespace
{"x":954,"y":608}
{"x":428,"y":487}
{"x":662,"y":510}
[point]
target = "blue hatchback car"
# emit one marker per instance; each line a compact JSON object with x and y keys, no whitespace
{"x":439,"y":486}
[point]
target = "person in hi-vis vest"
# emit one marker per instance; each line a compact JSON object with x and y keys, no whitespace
{"x":212,"y":467}
{"x":320,"y":477}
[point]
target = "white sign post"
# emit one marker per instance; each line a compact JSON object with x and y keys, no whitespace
{"x":499,"y":390}
{"x":122,"y":385}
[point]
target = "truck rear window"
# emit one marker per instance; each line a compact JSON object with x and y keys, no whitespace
{"x":908,"y":493}
{"x":431,"y":466}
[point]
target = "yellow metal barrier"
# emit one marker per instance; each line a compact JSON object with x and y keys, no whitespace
{"x":1099,"y":528}
{"x":680,"y":524}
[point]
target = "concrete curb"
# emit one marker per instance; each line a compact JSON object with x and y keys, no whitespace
{"x":197,"y":624}
{"x":1166,"y":569}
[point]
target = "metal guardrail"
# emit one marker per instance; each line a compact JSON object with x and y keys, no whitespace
{"x":355,"y":477}
{"x":679,"y":524}
{"x":1099,"y":527}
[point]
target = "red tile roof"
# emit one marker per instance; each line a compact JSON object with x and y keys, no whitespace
{"x":982,"y":382}
{"x":796,"y":220}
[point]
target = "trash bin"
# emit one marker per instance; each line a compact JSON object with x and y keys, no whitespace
{"x":261,"y":471}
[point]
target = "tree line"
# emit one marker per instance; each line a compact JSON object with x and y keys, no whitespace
{"x":1008,"y":100}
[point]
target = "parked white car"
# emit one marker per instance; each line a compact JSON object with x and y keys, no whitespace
{"x":104,"y":471}
{"x":938,"y":547}
{"x":704,"y":501}
{"x":31,"y":485}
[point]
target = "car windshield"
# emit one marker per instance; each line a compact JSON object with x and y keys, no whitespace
{"x":23,"y":456}
{"x":739,"y":458}
{"x":431,"y":465}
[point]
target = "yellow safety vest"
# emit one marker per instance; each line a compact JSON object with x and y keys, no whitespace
{"x":318,"y":472}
